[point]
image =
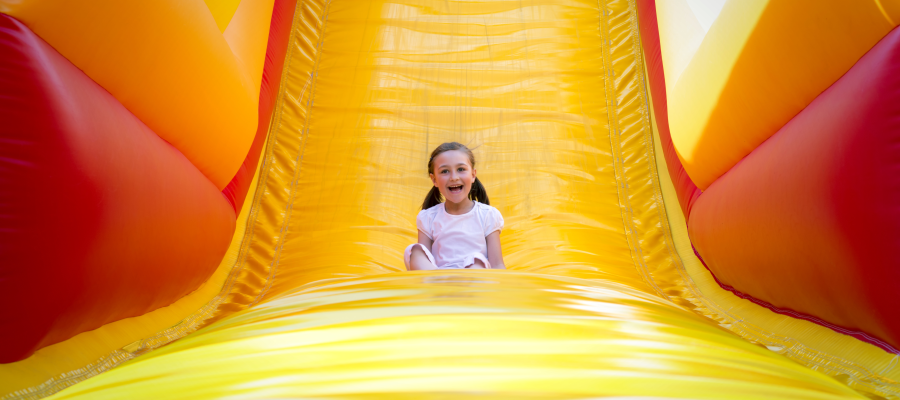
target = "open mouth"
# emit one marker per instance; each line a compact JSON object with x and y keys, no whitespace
{"x":455,"y":189}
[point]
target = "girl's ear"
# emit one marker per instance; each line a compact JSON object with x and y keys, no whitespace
{"x":432,"y":179}
{"x":474,"y":173}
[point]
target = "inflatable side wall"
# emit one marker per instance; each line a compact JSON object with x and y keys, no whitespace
{"x":110,"y":210}
{"x":795,"y":156}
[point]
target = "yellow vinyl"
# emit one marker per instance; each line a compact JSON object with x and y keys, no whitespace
{"x":551,"y":95}
{"x":222,"y":11}
{"x":490,"y":334}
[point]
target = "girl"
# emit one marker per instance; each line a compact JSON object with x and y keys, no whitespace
{"x":464,"y":230}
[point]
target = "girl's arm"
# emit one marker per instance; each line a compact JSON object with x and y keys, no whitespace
{"x":495,"y":254}
{"x":425,"y":241}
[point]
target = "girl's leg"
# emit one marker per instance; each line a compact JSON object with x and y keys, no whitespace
{"x":419,"y":261}
{"x":417,"y":258}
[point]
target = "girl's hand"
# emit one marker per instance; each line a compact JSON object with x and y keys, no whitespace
{"x":494,"y":253}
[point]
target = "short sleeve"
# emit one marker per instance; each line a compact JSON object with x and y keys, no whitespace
{"x":493,"y":222}
{"x":425,"y":223}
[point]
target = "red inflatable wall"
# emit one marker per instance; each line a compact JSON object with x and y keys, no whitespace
{"x":103,"y":219}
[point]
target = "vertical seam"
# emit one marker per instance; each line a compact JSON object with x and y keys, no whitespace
{"x":286,"y":221}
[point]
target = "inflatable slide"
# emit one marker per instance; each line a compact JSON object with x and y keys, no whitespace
{"x":210,"y":199}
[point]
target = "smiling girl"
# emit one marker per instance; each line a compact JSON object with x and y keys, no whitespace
{"x":463,"y":231}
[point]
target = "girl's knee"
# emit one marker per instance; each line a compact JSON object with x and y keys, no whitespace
{"x":417,"y":251}
{"x":419,"y":261}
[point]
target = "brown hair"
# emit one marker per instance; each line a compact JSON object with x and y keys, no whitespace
{"x":477,"y":193}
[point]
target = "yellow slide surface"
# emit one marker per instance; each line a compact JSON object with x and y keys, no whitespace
{"x":551,"y":95}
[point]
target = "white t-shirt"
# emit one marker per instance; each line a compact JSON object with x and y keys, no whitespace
{"x":457,"y":238}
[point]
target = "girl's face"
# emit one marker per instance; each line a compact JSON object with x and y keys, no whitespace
{"x":453,"y":175}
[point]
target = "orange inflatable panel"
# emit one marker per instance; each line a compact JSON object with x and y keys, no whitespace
{"x":247,"y":35}
{"x":760,"y":64}
{"x":103,"y":220}
{"x":807,"y":223}
{"x":170,"y":65}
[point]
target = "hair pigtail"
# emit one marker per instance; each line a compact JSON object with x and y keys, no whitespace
{"x":478,"y":193}
{"x":432,"y":199}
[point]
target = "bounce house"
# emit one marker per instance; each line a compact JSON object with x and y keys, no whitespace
{"x":211,"y":199}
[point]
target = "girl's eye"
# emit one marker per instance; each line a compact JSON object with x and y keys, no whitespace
{"x":461,"y":169}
